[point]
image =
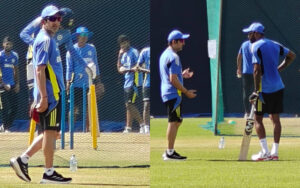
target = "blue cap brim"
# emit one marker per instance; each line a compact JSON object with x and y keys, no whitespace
{"x":246,"y":30}
{"x":185,"y":36}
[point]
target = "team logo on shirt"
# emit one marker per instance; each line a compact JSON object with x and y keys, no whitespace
{"x":58,"y":59}
{"x":90,"y":52}
{"x":13,"y":60}
{"x":59,"y":37}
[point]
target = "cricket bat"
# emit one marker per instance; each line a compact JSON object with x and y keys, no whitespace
{"x":247,"y":135}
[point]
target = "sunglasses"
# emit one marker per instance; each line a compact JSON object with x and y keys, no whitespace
{"x":84,"y":34}
{"x":54,"y":18}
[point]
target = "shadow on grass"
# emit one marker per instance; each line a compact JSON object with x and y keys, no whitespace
{"x":115,"y":185}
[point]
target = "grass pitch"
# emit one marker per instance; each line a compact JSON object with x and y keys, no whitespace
{"x":121,"y":160}
{"x":207,"y":166}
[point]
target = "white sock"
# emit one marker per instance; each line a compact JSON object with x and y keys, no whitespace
{"x":170,"y":151}
{"x":275,"y":147}
{"x":264,"y":145}
{"x":49,"y":171}
{"x":24,"y":158}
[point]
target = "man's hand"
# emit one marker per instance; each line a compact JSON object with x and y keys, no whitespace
{"x":42,"y":105}
{"x":238,"y":73}
{"x":187,"y":73}
{"x":191,"y":93}
{"x":253,"y":97}
{"x":7,"y":87}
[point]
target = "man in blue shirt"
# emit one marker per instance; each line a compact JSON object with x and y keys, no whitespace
{"x":126,"y":65}
{"x":10,"y":80}
{"x":48,"y":82}
{"x":245,"y":71}
{"x":171,"y":75}
{"x":268,"y":85}
{"x":143,"y":64}
{"x":77,"y":71}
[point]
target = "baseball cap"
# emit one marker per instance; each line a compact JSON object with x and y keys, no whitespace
{"x":82,"y":30}
{"x":50,"y":10}
{"x":176,"y":34}
{"x":255,"y":27}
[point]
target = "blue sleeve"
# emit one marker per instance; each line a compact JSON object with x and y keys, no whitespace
{"x":69,"y":66}
{"x":31,"y":28}
{"x":42,"y":52}
{"x":95,"y":59}
{"x":174,"y":68}
{"x":240,"y":50}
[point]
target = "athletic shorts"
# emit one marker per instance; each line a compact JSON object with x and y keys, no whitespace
{"x":129,"y":95}
{"x":273,"y":103}
{"x":51,"y":121}
{"x":146,"y":93}
{"x":173,"y":115}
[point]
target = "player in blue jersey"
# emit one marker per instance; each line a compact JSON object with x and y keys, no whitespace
{"x":143,"y":64}
{"x":268,"y":86}
{"x":79,"y":73}
{"x":126,"y":65}
{"x":171,"y":75}
{"x":9,"y":61}
{"x":48,"y":82}
{"x":245,"y":71}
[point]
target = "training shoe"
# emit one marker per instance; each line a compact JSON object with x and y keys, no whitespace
{"x":55,"y":178}
{"x":261,"y":156}
{"x":174,"y":156}
{"x":274,"y":157}
{"x":142,"y":130}
{"x":127,"y":130}
{"x":20,"y":168}
{"x":147,"y":129}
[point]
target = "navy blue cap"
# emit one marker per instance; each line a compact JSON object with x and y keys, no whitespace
{"x":255,"y":27}
{"x":176,"y":34}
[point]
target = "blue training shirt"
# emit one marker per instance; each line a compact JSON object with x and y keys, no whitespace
{"x":247,"y":57}
{"x":46,"y":52}
{"x":89,"y":54}
{"x":266,"y":53}
{"x":169,"y":63}
{"x":129,"y":60}
{"x":144,"y":58}
{"x":62,"y":36}
{"x":7,"y":64}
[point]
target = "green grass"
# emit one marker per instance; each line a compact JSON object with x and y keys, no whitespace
{"x":207,"y":166}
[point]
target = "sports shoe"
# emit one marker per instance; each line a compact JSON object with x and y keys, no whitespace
{"x":274,"y":157}
{"x":20,"y":168}
{"x":2,"y":128}
{"x":147,"y":129}
{"x":174,"y":156}
{"x":142,"y":130}
{"x":55,"y":178}
{"x":261,"y":156}
{"x":127,"y":130}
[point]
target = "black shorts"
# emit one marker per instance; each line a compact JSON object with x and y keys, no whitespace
{"x":51,"y":121}
{"x":129,"y":95}
{"x":146,"y":93}
{"x":273,"y":103}
{"x":173,"y":115}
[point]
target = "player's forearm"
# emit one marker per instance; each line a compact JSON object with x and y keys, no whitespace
{"x":41,"y":80}
{"x":239,"y":62}
{"x":287,"y":61}
{"x":257,"y":77}
{"x":175,"y":82}
{"x":16,"y":75}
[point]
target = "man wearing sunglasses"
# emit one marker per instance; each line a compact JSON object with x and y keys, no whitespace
{"x":79,"y":73}
{"x":48,"y":82}
{"x":171,"y":75}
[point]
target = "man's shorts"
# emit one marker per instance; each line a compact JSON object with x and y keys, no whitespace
{"x":146,"y":93}
{"x":51,"y":120}
{"x":173,"y":115}
{"x":130,"y":95}
{"x":273,"y":103}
